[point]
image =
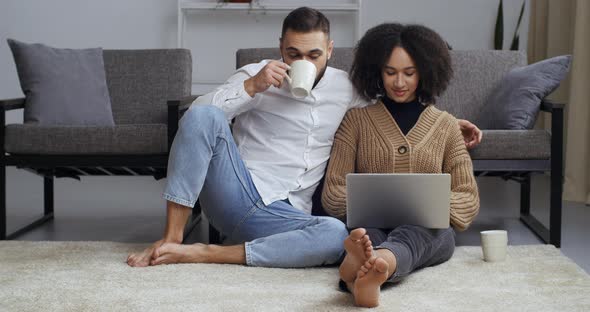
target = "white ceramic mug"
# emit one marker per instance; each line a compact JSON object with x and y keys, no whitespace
{"x":301,"y":78}
{"x":493,"y":245}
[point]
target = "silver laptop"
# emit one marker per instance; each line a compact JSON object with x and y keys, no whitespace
{"x":389,"y":200}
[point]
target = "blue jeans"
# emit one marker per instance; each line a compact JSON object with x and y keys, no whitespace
{"x":205,"y":163}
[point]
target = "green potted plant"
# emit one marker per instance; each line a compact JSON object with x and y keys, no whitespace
{"x":499,"y":30}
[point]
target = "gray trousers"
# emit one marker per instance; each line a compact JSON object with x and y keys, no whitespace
{"x":414,"y":247}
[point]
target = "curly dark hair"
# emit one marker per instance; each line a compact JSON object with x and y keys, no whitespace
{"x":428,"y":50}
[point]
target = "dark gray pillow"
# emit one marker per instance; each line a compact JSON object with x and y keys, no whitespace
{"x":516,"y":100}
{"x":62,"y":86}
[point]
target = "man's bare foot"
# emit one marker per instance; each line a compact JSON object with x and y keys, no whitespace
{"x":170,"y":253}
{"x":142,"y":259}
{"x":359,"y":249}
{"x":367,"y":286}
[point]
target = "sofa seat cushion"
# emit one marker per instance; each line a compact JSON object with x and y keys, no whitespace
{"x":86,"y":140}
{"x":513,"y":144}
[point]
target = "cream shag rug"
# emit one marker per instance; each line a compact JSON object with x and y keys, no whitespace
{"x":92,"y":276}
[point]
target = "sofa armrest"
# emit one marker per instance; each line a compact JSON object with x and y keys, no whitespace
{"x":10,"y":104}
{"x":175,"y":110}
{"x":6,"y":105}
{"x":557,"y":130}
{"x":549,"y":106}
{"x":557,"y":125}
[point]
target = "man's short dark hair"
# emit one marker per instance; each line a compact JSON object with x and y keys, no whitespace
{"x":306,"y":20}
{"x":428,"y":50}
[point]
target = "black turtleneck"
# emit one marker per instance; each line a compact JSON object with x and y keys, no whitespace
{"x":405,"y":114}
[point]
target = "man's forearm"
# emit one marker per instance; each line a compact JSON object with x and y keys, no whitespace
{"x":231,"y":98}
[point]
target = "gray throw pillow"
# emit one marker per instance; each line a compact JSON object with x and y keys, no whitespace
{"x":62,"y":86}
{"x":516,"y":100}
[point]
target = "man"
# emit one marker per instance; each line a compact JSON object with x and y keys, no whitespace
{"x":255,"y":186}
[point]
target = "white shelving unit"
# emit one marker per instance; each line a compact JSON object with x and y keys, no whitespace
{"x":185,"y":6}
{"x":188,"y":9}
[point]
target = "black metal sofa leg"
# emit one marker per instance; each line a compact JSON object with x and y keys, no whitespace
{"x":556,"y":208}
{"x":551,"y":234}
{"x":556,"y":177}
{"x":525,"y":196}
{"x":3,"y":230}
{"x":48,"y":196}
{"x":525,"y":211}
{"x":47,"y":207}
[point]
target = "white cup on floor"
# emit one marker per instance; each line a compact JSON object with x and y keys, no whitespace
{"x":493,"y":245}
{"x":301,"y":78}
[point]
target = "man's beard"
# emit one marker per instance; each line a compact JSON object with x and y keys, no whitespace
{"x":319,"y":77}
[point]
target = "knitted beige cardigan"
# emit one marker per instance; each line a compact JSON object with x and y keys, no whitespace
{"x":370,"y":141}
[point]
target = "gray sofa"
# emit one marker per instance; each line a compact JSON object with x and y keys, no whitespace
{"x":146,"y":89}
{"x":511,"y":154}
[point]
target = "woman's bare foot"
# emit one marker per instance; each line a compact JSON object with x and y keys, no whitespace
{"x":143,"y":258}
{"x":170,"y":253}
{"x":367,"y":286}
{"x":359,"y":249}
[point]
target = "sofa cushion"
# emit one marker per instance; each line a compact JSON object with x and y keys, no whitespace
{"x":516,"y":100}
{"x":86,"y":140}
{"x":142,"y":81}
{"x":513,"y":144}
{"x":62,"y":86}
{"x":475,"y":74}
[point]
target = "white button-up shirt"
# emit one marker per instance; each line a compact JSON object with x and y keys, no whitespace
{"x":285,"y":142}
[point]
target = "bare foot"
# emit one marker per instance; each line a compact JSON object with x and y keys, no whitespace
{"x":142,"y":259}
{"x":367,"y":286}
{"x":170,"y":253}
{"x":359,"y":249}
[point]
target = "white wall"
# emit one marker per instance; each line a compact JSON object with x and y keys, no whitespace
{"x":465,"y":24}
{"x":126,"y":24}
{"x":214,"y":36}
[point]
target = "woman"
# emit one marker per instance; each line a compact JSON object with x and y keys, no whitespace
{"x":403,"y":68}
